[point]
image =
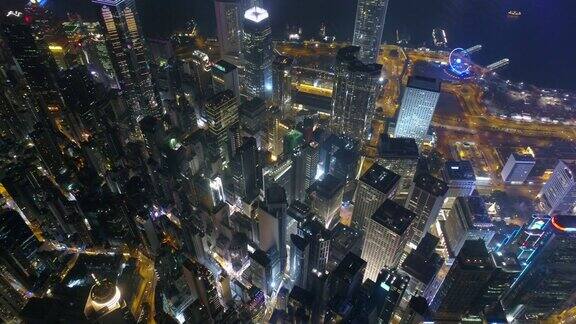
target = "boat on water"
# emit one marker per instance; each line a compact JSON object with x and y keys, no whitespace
{"x":514,"y":13}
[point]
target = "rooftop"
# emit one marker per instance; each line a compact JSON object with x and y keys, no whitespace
{"x":256,"y":14}
{"x":476,"y":207}
{"x":458,"y":170}
{"x":220,"y":98}
{"x":474,"y":256}
{"x":431,"y":184}
{"x":348,"y":53}
{"x":261,"y":257}
{"x":252,"y":108}
{"x":424,"y":83}
{"x":423,"y":263}
{"x":397,"y":147}
{"x":371,"y":69}
{"x":523,"y":157}
{"x":393,"y":216}
{"x":223,"y":66}
{"x":380,"y":178}
{"x":349,"y":266}
{"x":328,"y":187}
{"x":303,"y":296}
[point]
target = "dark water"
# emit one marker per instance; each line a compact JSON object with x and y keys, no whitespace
{"x":541,"y":44}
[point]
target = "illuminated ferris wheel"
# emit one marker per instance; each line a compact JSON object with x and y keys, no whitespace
{"x":459,"y":60}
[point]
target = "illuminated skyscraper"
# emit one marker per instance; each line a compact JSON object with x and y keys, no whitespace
{"x":325,"y":198}
{"x":225,"y":77}
{"x":257,"y":52}
{"x":548,"y":282}
{"x":33,"y":58}
{"x":201,"y":283}
{"x":19,"y":249}
{"x":356,"y":88}
{"x":390,"y":287}
{"x":399,"y":155}
{"x":282,"y":82}
{"x":305,"y":164}
{"x":248,"y":170}
{"x":128,"y":54}
{"x":418,"y":104}
{"x":86,"y":41}
{"x":425,"y":199}
{"x":468,"y":220}
{"x":374,"y":187}
{"x":465,"y":281}
{"x":461,"y":180}
{"x":222,"y":113}
{"x":199,"y":68}
{"x":229,"y":26}
{"x":385,"y":238}
{"x":559,"y":193}
{"x":370,"y":17}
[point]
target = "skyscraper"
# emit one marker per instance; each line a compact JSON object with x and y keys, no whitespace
{"x":225,"y":77}
{"x":385,"y":238}
{"x":461,"y":180}
{"x":282,"y":82}
{"x":222,"y":113}
{"x":468,"y":220}
{"x":128,"y":54}
{"x":465,"y":281}
{"x":418,"y":104}
{"x":19,"y":249}
{"x":201,"y":283}
{"x":36,"y":63}
{"x":325,"y":198}
{"x":229,"y":27}
{"x":389,"y":289}
{"x":248,"y":175}
{"x":356,"y":88}
{"x":548,"y":282}
{"x":257,"y":52}
{"x":374,"y":187}
{"x":304,"y":163}
{"x":399,"y":155}
{"x":558,"y":195}
{"x":425,"y":199}
{"x":199,"y":68}
{"x":368,"y":27}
